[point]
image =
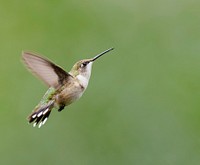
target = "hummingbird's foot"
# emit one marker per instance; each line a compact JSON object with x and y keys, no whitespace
{"x":61,"y":108}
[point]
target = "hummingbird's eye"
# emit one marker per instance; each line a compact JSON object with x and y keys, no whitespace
{"x":83,"y":64}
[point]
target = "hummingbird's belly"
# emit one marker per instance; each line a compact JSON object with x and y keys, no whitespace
{"x":69,"y":95}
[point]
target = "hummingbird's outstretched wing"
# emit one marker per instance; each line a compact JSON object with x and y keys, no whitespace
{"x":47,"y":71}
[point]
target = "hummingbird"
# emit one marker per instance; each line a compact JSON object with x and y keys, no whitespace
{"x":64,"y":87}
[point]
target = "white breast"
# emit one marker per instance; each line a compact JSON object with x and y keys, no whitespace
{"x":83,"y":81}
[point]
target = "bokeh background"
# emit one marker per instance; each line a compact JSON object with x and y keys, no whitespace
{"x":142,"y":105}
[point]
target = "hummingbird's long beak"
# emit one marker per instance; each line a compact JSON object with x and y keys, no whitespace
{"x":99,"y":55}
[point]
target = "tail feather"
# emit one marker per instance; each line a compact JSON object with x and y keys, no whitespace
{"x":41,"y":114}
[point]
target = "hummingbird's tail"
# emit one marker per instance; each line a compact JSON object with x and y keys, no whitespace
{"x":41,"y":114}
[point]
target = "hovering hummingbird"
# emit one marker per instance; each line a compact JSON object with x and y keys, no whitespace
{"x":64,"y":87}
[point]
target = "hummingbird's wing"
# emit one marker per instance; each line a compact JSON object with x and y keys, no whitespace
{"x":47,"y":71}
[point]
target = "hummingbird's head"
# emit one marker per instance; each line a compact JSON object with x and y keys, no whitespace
{"x":84,"y":67}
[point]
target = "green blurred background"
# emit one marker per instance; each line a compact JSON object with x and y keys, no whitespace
{"x":142,"y":105}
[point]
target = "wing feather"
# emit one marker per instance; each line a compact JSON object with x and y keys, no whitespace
{"x":48,"y":72}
